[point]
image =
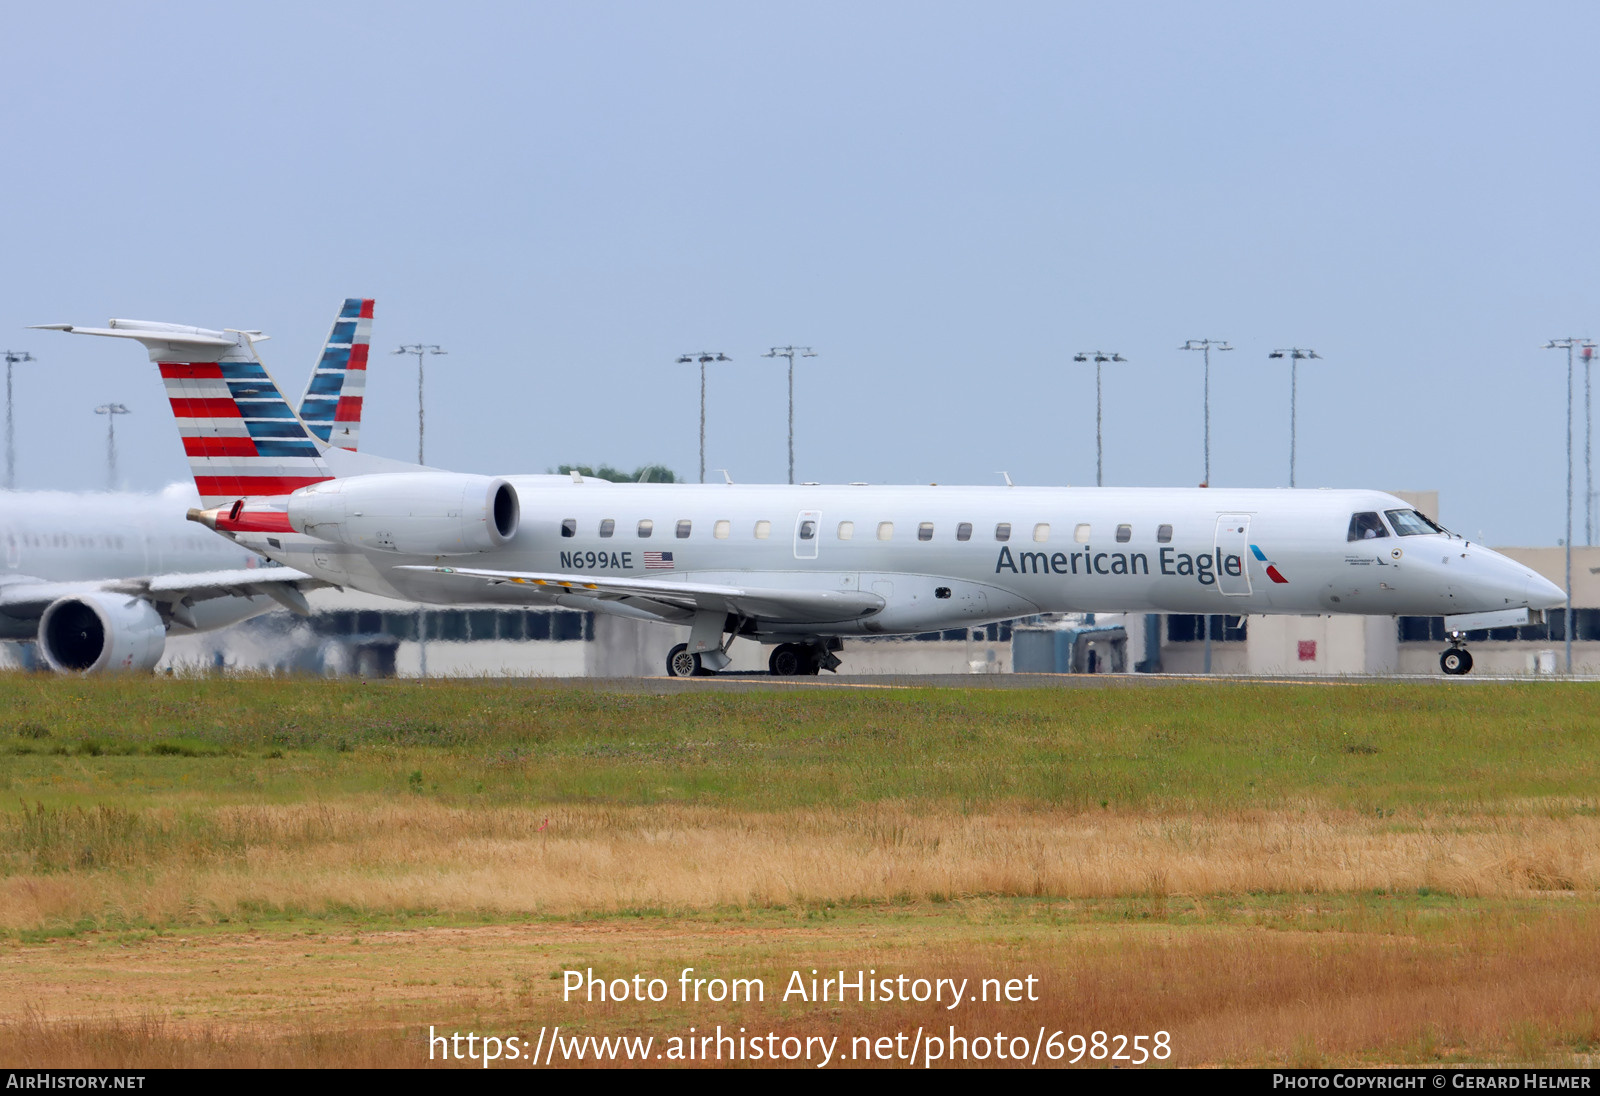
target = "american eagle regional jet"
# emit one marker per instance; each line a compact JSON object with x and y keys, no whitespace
{"x":100,"y":580}
{"x":804,"y":567}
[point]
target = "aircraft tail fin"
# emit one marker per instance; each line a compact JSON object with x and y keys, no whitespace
{"x":331,"y":406}
{"x":242,"y":438}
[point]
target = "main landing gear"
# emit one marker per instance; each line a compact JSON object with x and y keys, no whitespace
{"x":1456,"y":660}
{"x":681,"y":662}
{"x":786,"y":660}
{"x":792,"y":660}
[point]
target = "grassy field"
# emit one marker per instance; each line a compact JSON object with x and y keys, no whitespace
{"x":290,"y":872}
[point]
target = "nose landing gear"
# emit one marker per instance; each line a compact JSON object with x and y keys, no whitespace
{"x":1456,"y":660}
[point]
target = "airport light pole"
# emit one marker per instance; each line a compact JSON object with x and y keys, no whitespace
{"x":703,"y":357}
{"x":1567,"y":344}
{"x":1588,"y":447}
{"x":1294,"y":354}
{"x":1205,"y":346}
{"x":12,"y":358}
{"x":420,"y":349}
{"x":111,"y":411}
{"x":1099,"y":358}
{"x":789,"y":352}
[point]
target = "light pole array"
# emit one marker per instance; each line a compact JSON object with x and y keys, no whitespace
{"x":1294,"y":354}
{"x":111,"y":411}
{"x":703,"y":357}
{"x":12,"y":358}
{"x":420,"y":349}
{"x":1205,"y":346}
{"x":1568,"y":344}
{"x":789,"y":352}
{"x":1099,"y":358}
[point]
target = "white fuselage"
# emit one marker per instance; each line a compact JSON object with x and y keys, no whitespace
{"x":59,"y":539}
{"x":939,"y":557}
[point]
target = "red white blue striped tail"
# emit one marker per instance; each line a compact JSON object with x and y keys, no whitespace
{"x":242,"y":438}
{"x":331,"y":407}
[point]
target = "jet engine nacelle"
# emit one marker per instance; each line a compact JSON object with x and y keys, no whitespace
{"x":100,"y":632}
{"x":409,"y":513}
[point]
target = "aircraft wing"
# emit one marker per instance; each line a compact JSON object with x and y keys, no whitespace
{"x":282,"y":584}
{"x":669,"y":600}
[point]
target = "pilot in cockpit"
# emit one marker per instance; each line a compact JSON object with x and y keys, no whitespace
{"x":1367,"y":526}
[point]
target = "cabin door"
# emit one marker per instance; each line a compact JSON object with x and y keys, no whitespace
{"x":1232,"y":560}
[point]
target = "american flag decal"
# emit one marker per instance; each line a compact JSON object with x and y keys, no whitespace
{"x":658,"y":561}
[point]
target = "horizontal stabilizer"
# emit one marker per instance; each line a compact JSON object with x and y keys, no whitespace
{"x":173,"y":336}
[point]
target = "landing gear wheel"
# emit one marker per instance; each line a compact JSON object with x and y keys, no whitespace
{"x":1456,"y":661}
{"x":680,"y":663}
{"x":792,"y":660}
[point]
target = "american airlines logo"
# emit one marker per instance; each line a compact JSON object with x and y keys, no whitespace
{"x":1272,"y":569}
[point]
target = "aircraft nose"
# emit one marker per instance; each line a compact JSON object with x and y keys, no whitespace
{"x":1542,"y":593}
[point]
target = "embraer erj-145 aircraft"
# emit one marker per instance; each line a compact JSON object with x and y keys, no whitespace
{"x":806,"y":566}
{"x":100,"y":580}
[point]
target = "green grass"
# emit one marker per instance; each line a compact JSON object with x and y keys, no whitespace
{"x":1380,"y":748}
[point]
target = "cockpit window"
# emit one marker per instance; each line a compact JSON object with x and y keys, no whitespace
{"x":1411,"y":523}
{"x":1368,"y":526}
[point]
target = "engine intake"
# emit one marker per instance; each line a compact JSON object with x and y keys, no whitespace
{"x":411,"y":514}
{"x":101,"y":633}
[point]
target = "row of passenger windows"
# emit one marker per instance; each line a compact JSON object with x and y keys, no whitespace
{"x":107,"y":540}
{"x":846,"y":530}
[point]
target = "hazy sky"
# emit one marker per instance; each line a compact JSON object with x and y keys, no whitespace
{"x":947,"y":201}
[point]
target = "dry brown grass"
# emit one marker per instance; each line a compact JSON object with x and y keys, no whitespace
{"x":382,"y":856}
{"x":1500,"y":988}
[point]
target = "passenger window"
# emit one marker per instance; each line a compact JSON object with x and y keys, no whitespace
{"x":925,"y":531}
{"x":646,"y":527}
{"x":1368,"y":526}
{"x":1163,"y":534}
{"x":721,"y":529}
{"x":885,"y":530}
{"x":847,"y":529}
{"x":569,"y":527}
{"x":1124,"y":534}
{"x":1002,"y":531}
{"x":1041,"y":532}
{"x":763,"y":529}
{"x":684,"y":525}
{"x":808,"y":530}
{"x":608,"y":526}
{"x":1080,"y":532}
{"x":964,"y":531}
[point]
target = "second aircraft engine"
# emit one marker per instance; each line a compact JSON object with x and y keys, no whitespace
{"x":101,"y":632}
{"x":412,"y":514}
